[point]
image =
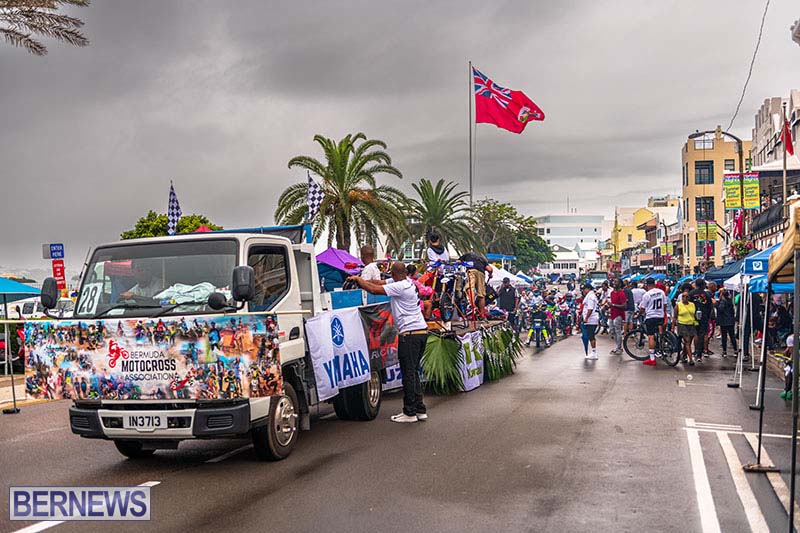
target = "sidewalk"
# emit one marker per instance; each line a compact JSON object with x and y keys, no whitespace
{"x":5,"y":388}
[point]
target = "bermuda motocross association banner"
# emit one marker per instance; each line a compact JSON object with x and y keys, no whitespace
{"x":471,"y":364}
{"x":198,"y":357}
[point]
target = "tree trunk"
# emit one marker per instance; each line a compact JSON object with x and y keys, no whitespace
{"x":343,"y":233}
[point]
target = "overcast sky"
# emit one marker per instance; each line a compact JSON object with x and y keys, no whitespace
{"x":218,"y":96}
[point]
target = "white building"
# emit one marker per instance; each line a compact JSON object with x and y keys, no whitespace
{"x":569,"y":230}
{"x":566,"y":261}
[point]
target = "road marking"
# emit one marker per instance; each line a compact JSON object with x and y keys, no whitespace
{"x":754,"y":516}
{"x":705,"y":501}
{"x":34,"y":434}
{"x":720,"y":427}
{"x":47,"y":524}
{"x":229,"y":454}
{"x":775,"y":479}
{"x":681,"y":384}
{"x":771,"y":435}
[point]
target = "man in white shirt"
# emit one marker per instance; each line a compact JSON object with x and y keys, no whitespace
{"x":413,"y":336}
{"x":590,"y":316}
{"x":370,"y":272}
{"x":654,"y":307}
{"x":637,"y":292}
{"x":436,"y":250}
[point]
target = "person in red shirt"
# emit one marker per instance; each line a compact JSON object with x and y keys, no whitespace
{"x":617,"y":304}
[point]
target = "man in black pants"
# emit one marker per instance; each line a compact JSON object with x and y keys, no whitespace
{"x":702,"y":303}
{"x":413,"y":336}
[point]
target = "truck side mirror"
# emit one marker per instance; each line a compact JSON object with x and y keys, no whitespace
{"x":50,"y":293}
{"x":243,"y":287}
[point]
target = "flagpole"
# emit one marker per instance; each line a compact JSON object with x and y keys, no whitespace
{"x":785,"y":143}
{"x":471,"y":91}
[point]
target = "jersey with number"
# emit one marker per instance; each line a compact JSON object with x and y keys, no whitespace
{"x":654,"y":303}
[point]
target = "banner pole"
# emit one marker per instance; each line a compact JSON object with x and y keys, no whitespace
{"x":785,"y":142}
{"x":469,"y":122}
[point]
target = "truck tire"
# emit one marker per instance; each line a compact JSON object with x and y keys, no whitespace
{"x":365,"y":398}
{"x":132,"y":449}
{"x":341,"y":405}
{"x":276,"y":440}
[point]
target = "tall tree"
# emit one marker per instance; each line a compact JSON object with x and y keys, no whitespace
{"x":354,"y":203}
{"x":156,"y":225}
{"x":442,"y":209}
{"x":22,"y":22}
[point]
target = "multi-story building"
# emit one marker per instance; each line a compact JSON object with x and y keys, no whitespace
{"x":626,"y":232}
{"x":571,"y":229}
{"x":668,"y":200}
{"x":565,"y":261}
{"x":704,"y":161}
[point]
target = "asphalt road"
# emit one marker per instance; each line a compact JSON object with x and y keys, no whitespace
{"x":564,"y":444}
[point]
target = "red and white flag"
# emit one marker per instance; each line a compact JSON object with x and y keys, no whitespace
{"x":786,"y":138}
{"x":507,"y":109}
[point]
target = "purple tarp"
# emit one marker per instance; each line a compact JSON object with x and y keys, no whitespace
{"x":338,"y":258}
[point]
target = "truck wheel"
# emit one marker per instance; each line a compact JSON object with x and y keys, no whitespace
{"x":341,"y":405}
{"x":276,"y":440}
{"x":132,"y":449}
{"x":365,"y":398}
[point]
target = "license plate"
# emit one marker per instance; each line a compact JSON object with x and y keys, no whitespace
{"x":144,"y":422}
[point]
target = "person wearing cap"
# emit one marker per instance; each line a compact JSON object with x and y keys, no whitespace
{"x":590,"y":316}
{"x":508,"y":301}
{"x":654,"y":308}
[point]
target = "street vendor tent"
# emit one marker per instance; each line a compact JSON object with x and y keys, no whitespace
{"x":734,"y":283}
{"x":758,"y":263}
{"x":759,"y":284}
{"x":335,"y":265}
{"x":499,"y":273}
{"x":724,"y":272}
{"x":523,"y":277}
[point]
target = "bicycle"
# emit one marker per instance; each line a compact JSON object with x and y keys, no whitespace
{"x":454,"y":298}
{"x":668,"y":345}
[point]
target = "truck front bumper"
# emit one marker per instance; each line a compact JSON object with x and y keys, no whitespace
{"x":106,"y":422}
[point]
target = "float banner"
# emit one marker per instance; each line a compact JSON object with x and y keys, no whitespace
{"x":733,"y":196}
{"x":394,"y":378}
{"x":197,"y":357}
{"x":471,"y":360}
{"x":339,"y":352}
{"x":381,"y":335}
{"x":752,"y":191}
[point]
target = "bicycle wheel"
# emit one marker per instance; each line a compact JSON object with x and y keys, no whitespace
{"x":446,"y":306}
{"x":635,"y":344}
{"x":670,"y":348}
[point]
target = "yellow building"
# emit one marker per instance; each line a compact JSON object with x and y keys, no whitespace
{"x":626,"y":221}
{"x":704,"y":162}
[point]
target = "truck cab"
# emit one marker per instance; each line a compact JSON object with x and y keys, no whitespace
{"x":220,"y":316}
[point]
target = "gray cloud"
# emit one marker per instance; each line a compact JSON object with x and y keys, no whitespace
{"x":219,"y":96}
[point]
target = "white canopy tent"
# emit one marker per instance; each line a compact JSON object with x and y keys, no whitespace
{"x":736,"y":283}
{"x":497,"y":279}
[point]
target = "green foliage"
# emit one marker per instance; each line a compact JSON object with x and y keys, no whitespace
{"x":21,"y":20}
{"x":354,"y":203}
{"x":503,"y":348}
{"x":442,"y":209}
{"x":156,"y":225}
{"x":500,"y":229}
{"x":440,"y":364}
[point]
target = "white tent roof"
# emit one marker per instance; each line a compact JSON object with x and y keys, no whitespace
{"x":499,"y":273}
{"x":736,"y":283}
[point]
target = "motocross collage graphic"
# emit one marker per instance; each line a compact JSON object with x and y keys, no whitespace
{"x":195,"y":357}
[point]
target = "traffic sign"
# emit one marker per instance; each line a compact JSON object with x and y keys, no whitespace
{"x":59,"y":273}
{"x":56,"y":251}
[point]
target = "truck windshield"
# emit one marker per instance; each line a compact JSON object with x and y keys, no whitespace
{"x":144,"y":279}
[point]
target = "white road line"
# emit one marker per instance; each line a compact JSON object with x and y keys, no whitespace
{"x":718,"y":426}
{"x":775,"y":479}
{"x":47,"y":524}
{"x":229,"y":454}
{"x":751,"y":509}
{"x":705,"y":501}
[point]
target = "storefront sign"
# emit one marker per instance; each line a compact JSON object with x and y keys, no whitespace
{"x":752,"y":191}
{"x":733,"y":191}
{"x":197,"y":357}
{"x":339,"y":351}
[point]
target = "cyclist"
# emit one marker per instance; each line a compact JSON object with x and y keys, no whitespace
{"x":654,"y":307}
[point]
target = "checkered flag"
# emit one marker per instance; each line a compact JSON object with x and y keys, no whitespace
{"x":173,"y":211}
{"x":315,"y":197}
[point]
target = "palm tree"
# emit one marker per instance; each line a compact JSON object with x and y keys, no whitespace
{"x":353,"y":202}
{"x":442,"y":209}
{"x":20,"y":20}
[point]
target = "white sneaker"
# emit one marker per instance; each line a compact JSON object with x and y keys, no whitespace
{"x":403,"y":418}
{"x":422,"y":416}
{"x":592,"y":354}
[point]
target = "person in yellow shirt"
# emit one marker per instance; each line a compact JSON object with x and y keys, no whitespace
{"x":685,"y":321}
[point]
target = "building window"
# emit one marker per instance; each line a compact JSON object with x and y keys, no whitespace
{"x":630,"y":237}
{"x":703,"y":172}
{"x":704,"y":144}
{"x":700,"y":249}
{"x":548,"y":241}
{"x":548,"y":231}
{"x":540,"y":231}
{"x":704,"y":208}
{"x":730,"y":164}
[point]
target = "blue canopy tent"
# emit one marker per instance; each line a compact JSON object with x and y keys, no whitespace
{"x":12,"y":291}
{"x":523,"y":277}
{"x":759,"y":284}
{"x":758,"y":263}
{"x":658,"y":276}
{"x":674,"y":290}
